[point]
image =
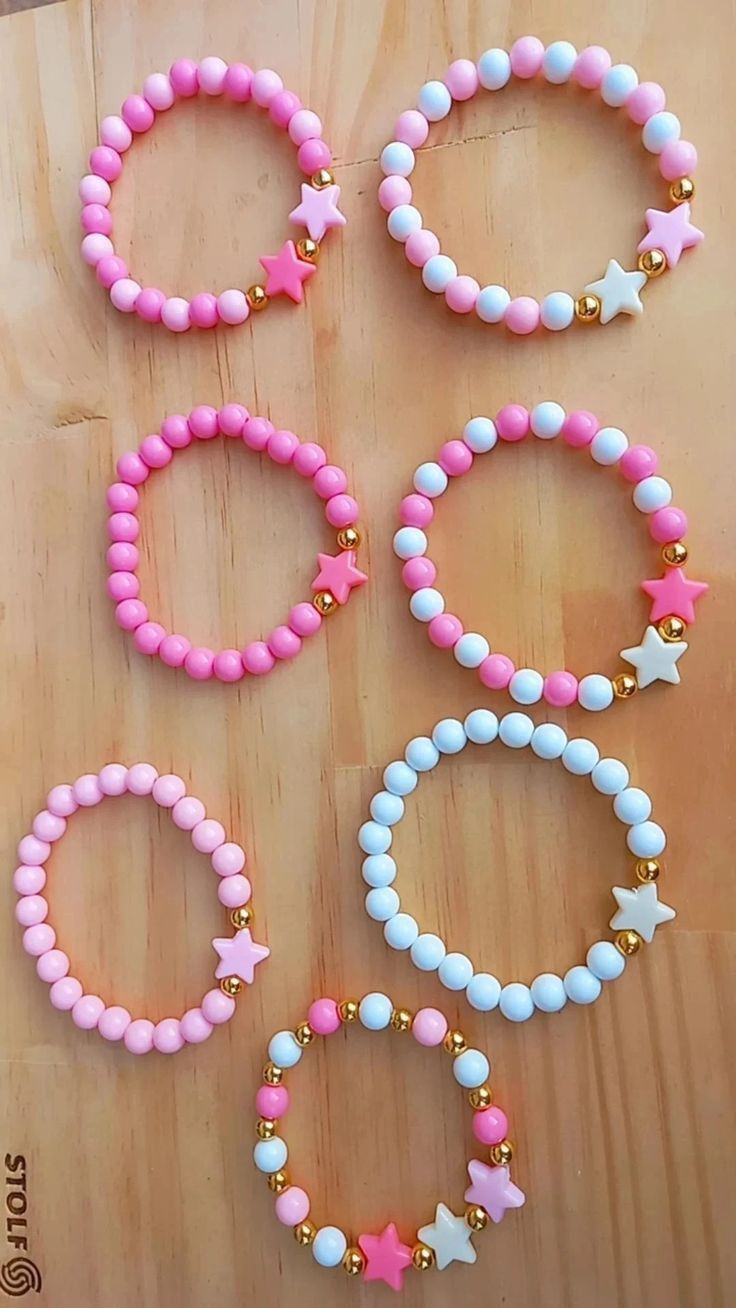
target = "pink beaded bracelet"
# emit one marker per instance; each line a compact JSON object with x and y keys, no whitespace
{"x":287,"y":271}
{"x":669,"y":231}
{"x":336,"y":577}
{"x":239,"y":954}
{"x":673,"y":595}
{"x":383,"y":1257}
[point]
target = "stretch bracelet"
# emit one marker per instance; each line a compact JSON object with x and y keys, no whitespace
{"x":673,"y":596}
{"x":286,"y":271}
{"x":639,"y":911}
{"x":336,"y":577}
{"x":669,"y":231}
{"x":383,"y":1256}
{"x":239,"y":954}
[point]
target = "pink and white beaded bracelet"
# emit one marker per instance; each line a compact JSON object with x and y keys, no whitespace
{"x":287,"y":271}
{"x":336,"y":577}
{"x":669,"y":232}
{"x":673,"y":596}
{"x":383,"y":1256}
{"x":239,"y":954}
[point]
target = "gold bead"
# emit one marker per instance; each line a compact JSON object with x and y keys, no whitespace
{"x":672,"y":627}
{"x":353,"y":1262}
{"x":423,"y":1257}
{"x":501,"y":1154}
{"x":272,"y":1074}
{"x":307,"y":249}
{"x":304,"y":1232}
{"x":322,"y":179}
{"x":652,"y":262}
{"x":348,"y":538}
{"x":628,"y":942}
{"x":278,"y":1182}
{"x":455,"y":1043}
{"x":242,"y":917}
{"x":624,"y":685}
{"x":681,"y":190}
{"x":675,"y":554}
{"x":401,"y":1019}
{"x":304,"y":1035}
{"x":587,"y":308}
{"x":324,"y":602}
{"x":481,"y":1097}
{"x":231,"y":985}
{"x":265,"y":1128}
{"x":256,"y":297}
{"x":476,"y":1217}
{"x":348,"y":1010}
{"x":647,"y":869}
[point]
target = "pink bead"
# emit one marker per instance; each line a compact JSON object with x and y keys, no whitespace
{"x":29,"y":880}
{"x":522,"y":315}
{"x":168,"y":789}
{"x":313,"y":155}
{"x":238,"y":81}
{"x":461,"y":80}
{"x":591,"y":66}
{"x":341,"y":511}
{"x":131,"y":468}
{"x":646,"y":99}
{"x":113,"y":779}
{"x":231,"y":419}
{"x":229,"y":665}
{"x":212,"y":74}
{"x":421,"y":246}
{"x":124,"y":294}
{"x":416,"y":511}
{"x":110,"y":270}
{"x":455,"y":458}
{"x":232,"y":307}
{"x":61,"y":801}
{"x":175,"y":431}
{"x":175,"y":314}
{"x":65,"y":993}
{"x":200,"y":663}
{"x":256,"y":433}
{"x":87,"y":790}
{"x":526,"y":56}
{"x":284,"y":643}
{"x":445,"y":630}
{"x":461,"y":294}
{"x":283,"y":107}
{"x":292,"y":1206}
{"x":203,"y":310}
{"x":418,"y":572}
{"x":282,"y":446}
{"x":394,"y":191}
{"x":329,"y":480}
{"x":324,"y":1017}
{"x":33,"y":851}
{"x":94,"y":190}
{"x":52,"y":966}
{"x":429,"y":1027}
{"x":38,"y":939}
{"x":257,"y":658}
{"x":114,"y":1022}
{"x":272,"y":1101}
{"x":228,"y":858}
{"x":31,"y":909}
{"x":194,"y":1026}
{"x":95,"y":218}
{"x":234,"y":891}
{"x":305,"y":126}
{"x":122,"y":557}
{"x":208,"y":835}
{"x":158,"y":91}
{"x":265,"y":85}
{"x":173,"y":650}
{"x":638,"y":462}
{"x":304,"y":619}
{"x":87,"y":1012}
{"x":490,"y":1125}
{"x":48,"y":826}
{"x":496,"y":671}
{"x":137,"y":113}
{"x":667,"y":525}
{"x":115,"y":131}
{"x":138,"y":1037}
{"x":183,"y":76}
{"x":131,"y":613}
{"x":512,"y":422}
{"x":560,"y":689}
{"x":309,"y":458}
{"x":167,"y":1036}
{"x":105,"y":162}
{"x":579,"y":428}
{"x":148,"y":637}
{"x":141,"y":778}
{"x":412,"y":128}
{"x":121,"y":497}
{"x":154,"y":452}
{"x":217,"y":1007}
{"x":187,"y":812}
{"x":678,"y":159}
{"x":96,"y":247}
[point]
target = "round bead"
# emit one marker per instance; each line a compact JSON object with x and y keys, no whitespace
{"x":397,"y":160}
{"x":379,"y":870}
{"x":270,"y":1156}
{"x":449,"y":736}
{"x":233,"y":891}
{"x":29,"y":880}
{"x":158,"y":91}
{"x":284,"y":1051}
{"x":515,"y":730}
{"x":272,"y":1101}
{"x":175,"y":314}
{"x":579,"y":428}
{"x":187,"y":812}
{"x":557,"y":311}
{"x":167,"y":1036}
{"x":608,"y":446}
{"x":526,"y":56}
{"x":512,"y":422}
{"x":496,"y":671}
{"x":618,"y":84}
{"x":419,"y":572}
{"x":548,"y":741}
{"x":429,"y":1027}
{"x":548,"y":992}
{"x":558,"y":62}
{"x":141,"y":778}
{"x":632,"y":806}
{"x":659,"y":130}
{"x":324,"y":1019}
{"x":422,"y":754}
{"x":329,"y":1246}
{"x":416,"y":511}
{"x":591,"y":66}
{"x":401,"y":931}
{"x":402,"y":221}
{"x":560,"y":689}
{"x":65,"y":993}
{"x":516,"y":1002}
{"x":394,"y":191}
{"x":455,"y":972}
{"x":461,"y":294}
{"x":546,"y":420}
{"x":113,"y":1022}
{"x":264,"y":86}
{"x":483,"y":992}
{"x":580,"y":756}
{"x":605,"y":961}
{"x":399,"y":778}
{"x":31,"y":909}
{"x":421,"y":246}
{"x":610,"y":776}
{"x":492,"y":303}
{"x":471,"y":649}
{"x":409,"y":542}
{"x":638,"y":462}
{"x":375,"y":1011}
{"x":49,"y":826}
{"x":386,"y":809}
{"x":481,"y":726}
{"x":430,"y":480}
{"x":667,"y":525}
{"x":412,"y":128}
{"x":124,"y":294}
{"x":87,"y":1012}
{"x":490,"y":1125}
{"x":456,"y":458}
{"x":382,"y":903}
{"x":522,"y":315}
{"x":471,"y":1069}
{"x":581,"y":985}
{"x":526,"y":686}
{"x":651,"y":494}
{"x":292,"y":1206}
{"x":427,"y":952}
{"x":595,"y":692}
{"x":434,"y":101}
{"x":461,"y":79}
{"x":96,"y":247}
{"x":374,"y":838}
{"x":646,"y":839}
{"x":138,"y":1036}
{"x":480,"y":435}
{"x":494,"y":69}
{"x":678,"y":159}
{"x":438,"y":272}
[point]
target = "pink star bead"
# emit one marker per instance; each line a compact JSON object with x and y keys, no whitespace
{"x":673,"y":593}
{"x":318,"y":210}
{"x":286,"y":272}
{"x":239,"y":956}
{"x":670,"y":231}
{"x":387,"y":1258}
{"x":493,"y":1189}
{"x":338,"y":574}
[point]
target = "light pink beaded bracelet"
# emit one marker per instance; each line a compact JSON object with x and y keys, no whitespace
{"x":239,"y":954}
{"x":287,"y":271}
{"x":336,"y":577}
{"x":669,"y":231}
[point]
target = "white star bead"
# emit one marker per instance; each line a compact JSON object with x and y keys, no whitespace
{"x":618,"y":291}
{"x":639,"y":910}
{"x":655,"y":659}
{"x":449,"y":1236}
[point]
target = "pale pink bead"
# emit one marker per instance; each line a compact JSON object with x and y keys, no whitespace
{"x":512,"y":422}
{"x":154,"y":451}
{"x":123,"y":527}
{"x":138,"y":1036}
{"x":238,"y":82}
{"x":38,"y":939}
{"x":257,"y":658}
{"x":29,"y":880}
{"x":31,"y":909}
{"x":678,"y":159}
{"x":87,"y":1012}
{"x":646,"y":99}
{"x":560,"y":689}
{"x":167,"y":1036}
{"x":461,"y":80}
{"x":305,"y":126}
{"x":168,"y":790}
{"x":175,"y":431}
{"x":638,"y":462}
{"x":217,"y":1007}
{"x":282,"y":446}
{"x":52,"y":966}
{"x":272,"y":1101}
{"x":187,"y":812}
{"x":231,"y":419}
{"x":203,"y":310}
{"x":341,"y":511}
{"x":445,"y":630}
{"x":208,"y":835}
{"x":121,"y":497}
{"x":421,"y":246}
{"x":158,"y":91}
{"x":114,"y":1022}
{"x":183,"y":76}
{"x":61,"y":801}
{"x":96,"y":219}
{"x":33,"y":851}
{"x":203,"y":422}
{"x":212,"y":74}
{"x":232,"y":307}
{"x":149,"y":304}
{"x":256,"y":433}
{"x":65,"y":993}
{"x":412,"y":128}
{"x":591,"y":66}
{"x":429,"y":1026}
{"x":265,"y":85}
{"x":124,"y":294}
{"x":292,"y":1206}
{"x":284,"y":643}
{"x":526,"y":56}
{"x":668,"y":525}
{"x":419,"y":572}
{"x":455,"y":458}
{"x":304,"y":619}
{"x":115,"y":131}
{"x":579,"y":428}
{"x":175,"y":314}
{"x":496,"y":671}
{"x":282,"y":108}
{"x":324,"y":1017}
{"x":394,"y":191}
{"x":313,"y":155}
{"x":122,"y":586}
{"x":141,"y":778}
{"x":330,"y":480}
{"x":130,"y":614}
{"x":131,"y":468}
{"x":416,"y":511}
{"x":113,"y":779}
{"x":522,"y":315}
{"x":228,"y":665}
{"x":87,"y":790}
{"x":173,"y":650}
{"x":94,"y":190}
{"x":148,"y":637}
{"x":461,"y":294}
{"x":137,"y":113}
{"x":234,"y":891}
{"x":199,"y":663}
{"x":490,"y":1125}
{"x":105,"y":162}
{"x":309,"y":458}
{"x":194,"y":1026}
{"x":122,"y":557}
{"x":48,"y":826}
{"x":228,"y":858}
{"x":96,"y":247}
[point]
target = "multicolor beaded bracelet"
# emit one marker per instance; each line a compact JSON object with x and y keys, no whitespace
{"x":639,"y":911}
{"x":669,"y":231}
{"x":336,"y":577}
{"x":673,"y":596}
{"x":286,"y":271}
{"x":383,"y":1257}
{"x":239,"y":954}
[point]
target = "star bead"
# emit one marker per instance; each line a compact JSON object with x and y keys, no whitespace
{"x":387,"y":1258}
{"x":655,"y":659}
{"x":670,"y":231}
{"x":338,"y":574}
{"x":673,"y":593}
{"x":618,"y":291}
{"x":640,"y":910}
{"x":239,"y":956}
{"x":493,"y":1189}
{"x":286,"y":272}
{"x":318,"y":210}
{"x":449,"y":1236}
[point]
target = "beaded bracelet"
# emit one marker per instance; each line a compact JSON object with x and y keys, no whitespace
{"x":287,"y":271}
{"x":673,"y":596}
{"x":336,"y":577}
{"x":669,"y":231}
{"x":639,"y":911}
{"x":239,"y":954}
{"x":383,"y":1257}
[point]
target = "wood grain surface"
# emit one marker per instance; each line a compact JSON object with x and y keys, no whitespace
{"x":140,"y":1186}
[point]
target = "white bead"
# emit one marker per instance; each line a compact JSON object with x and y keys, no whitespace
{"x":480,"y":435}
{"x":581,"y":985}
{"x":526,"y":686}
{"x":375,"y":1011}
{"x":492,"y":303}
{"x":438,"y":272}
{"x":374,"y":838}
{"x":646,"y":839}
{"x":548,"y":992}
{"x":595,"y":692}
{"x":382,"y":903}
{"x":549,"y":740}
{"x":430,"y":480}
{"x":329,"y":1246}
{"x":455,"y":971}
{"x":516,"y":1002}
{"x":559,"y":61}
{"x":481,"y":726}
{"x":605,"y":960}
{"x":397,"y":159}
{"x":516,"y":730}
{"x":652,"y":493}
{"x":617,"y":85}
{"x":399,"y":778}
{"x":427,"y":952}
{"x":483,"y":992}
{"x":557,"y":311}
{"x":387,"y":809}
{"x":546,"y":420}
{"x":608,"y":445}
{"x":494,"y":69}
{"x":402,"y":221}
{"x":426,"y":603}
{"x":471,"y":1069}
{"x":422,"y":754}
{"x":401,"y":931}
{"x":449,"y":736}
{"x":270,"y":1155}
{"x":284,"y":1050}
{"x":471,"y":649}
{"x":379,"y":870}
{"x":659,"y":130}
{"x":632,"y":806}
{"x":410,"y":543}
{"x":580,"y":756}
{"x":610,"y":776}
{"x":434,"y":101}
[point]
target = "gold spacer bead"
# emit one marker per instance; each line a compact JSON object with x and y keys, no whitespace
{"x":265,"y":1128}
{"x":501,"y":1154}
{"x":272,"y":1074}
{"x":325,"y":603}
{"x":256,"y":297}
{"x":682,"y":189}
{"x":353,"y":1262}
{"x":647,"y":869}
{"x":476,"y":1217}
{"x":455,"y":1043}
{"x":242,"y":917}
{"x":304,"y":1035}
{"x":423,"y":1257}
{"x":231,"y":985}
{"x":481,"y":1097}
{"x":587,"y":308}
{"x":401,"y":1019}
{"x":307,"y":249}
{"x":675,"y":554}
{"x":672,"y":627}
{"x":278,"y":1181}
{"x":322,"y":179}
{"x":624,"y":685}
{"x":304,"y":1232}
{"x":348,"y":1010}
{"x":652,"y":262}
{"x":628,"y":943}
{"x":348,"y":538}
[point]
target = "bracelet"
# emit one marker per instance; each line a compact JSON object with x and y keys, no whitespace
{"x":669,"y":231}
{"x":239,"y":954}
{"x":639,"y":911}
{"x":383,"y":1257}
{"x":287,"y":271}
{"x":336,"y":577}
{"x":673,"y":595}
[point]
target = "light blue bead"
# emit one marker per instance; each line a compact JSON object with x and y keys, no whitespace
{"x":646,"y":840}
{"x":480,"y":435}
{"x":329,"y":1246}
{"x":632,"y":806}
{"x":422,"y":754}
{"x":471,"y":650}
{"x":399,"y":778}
{"x":438,"y":272}
{"x":492,"y":303}
{"x":410,"y":543}
{"x":580,"y":756}
{"x":449,"y":736}
{"x":427,"y":952}
{"x":375,"y":1011}
{"x":397,"y":159}
{"x":494,"y":69}
{"x":382,"y":903}
{"x":379,"y":870}
{"x":430,"y":479}
{"x":426,"y":603}
{"x":617,"y":85}
{"x":471,"y":1069}
{"x":605,"y":961}
{"x":549,"y":741}
{"x":434,"y":101}
{"x":483,"y":992}
{"x":283,"y":1050}
{"x":402,"y":221}
{"x":387,"y":808}
{"x":374,"y":838}
{"x":455,"y":971}
{"x":481,"y":726}
{"x":610,"y":776}
{"x":270,"y":1155}
{"x":515,"y":730}
{"x":548,"y":992}
{"x":546,"y":420}
{"x":659,"y":130}
{"x":516,"y":1002}
{"x":401,"y":931}
{"x":559,"y":61}
{"x":557,"y":311}
{"x":581,"y":985}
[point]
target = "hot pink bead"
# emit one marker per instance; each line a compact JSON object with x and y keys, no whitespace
{"x":154,"y":452}
{"x":131,"y":613}
{"x":87,"y":790}
{"x":522,"y":315}
{"x":234,"y":891}
{"x":309,"y":458}
{"x":168,"y":789}
{"x":412,"y":128}
{"x":257,"y":658}
{"x":512,"y":422}
{"x":579,"y":428}
{"x":96,"y":247}
{"x":94,"y":190}
{"x":29,"y":880}
{"x":445,"y":630}
{"x":329,"y":480}
{"x":429,"y":1027}
{"x":304,"y":619}
{"x":48,"y":826}
{"x":421,"y":246}
{"x":33,"y":851}
{"x":124,"y":294}
{"x":137,"y":113}
{"x":678,"y":159}
{"x":115,"y":131}
{"x":284,"y":643}
{"x":265,"y":85}
{"x":113,"y":779}
{"x":292,"y":1206}
{"x":256,"y":433}
{"x":52,"y":966}
{"x":272,"y":1101}
{"x":461,"y":294}
{"x":313,"y":155}
{"x":114,"y":1022}
{"x":461,"y":80}
{"x":110,"y":270}
{"x":131,"y":468}
{"x":87,"y":1012}
{"x":208,"y":835}
{"x":341,"y":511}
{"x":141,"y":778}
{"x":217,"y":1007}
{"x":282,"y":446}
{"x":122,"y":557}
{"x":121,"y":497}
{"x":231,"y":419}
{"x":203,"y":310}
{"x":667,"y":525}
{"x":416,"y":511}
{"x":175,"y":314}
{"x":490,"y":1125}
{"x":228,"y":665}
{"x":526,"y":56}
{"x":646,"y":99}
{"x":65,"y":993}
{"x":200,"y":663}
{"x":323,"y":1016}
{"x":194,"y":1026}
{"x":228,"y":858}
{"x":175,"y":431}
{"x":138,"y":1036}
{"x":167,"y":1036}
{"x":31,"y":909}
{"x":418,"y":572}
{"x":560,"y":689}
{"x":232,"y":307}
{"x":591,"y":66}
{"x":638,"y":462}
{"x":60,"y":800}
{"x":96,"y":218}
{"x":187,"y":812}
{"x":38,"y":939}
{"x":455,"y":458}
{"x":148,"y":637}
{"x":173,"y":650}
{"x":238,"y":81}
{"x":183,"y":76}
{"x":305,"y":126}
{"x":158,"y":91}
{"x":283,"y":107}
{"x":394,"y":191}
{"x":212,"y":74}
{"x":106,"y":162}
{"x":496,"y":671}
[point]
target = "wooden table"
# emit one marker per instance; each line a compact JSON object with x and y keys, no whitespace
{"x":140,"y":1187}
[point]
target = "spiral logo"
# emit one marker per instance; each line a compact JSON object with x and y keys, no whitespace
{"x":20,"y":1276}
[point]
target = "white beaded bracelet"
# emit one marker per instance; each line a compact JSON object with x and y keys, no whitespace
{"x":639,"y":911}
